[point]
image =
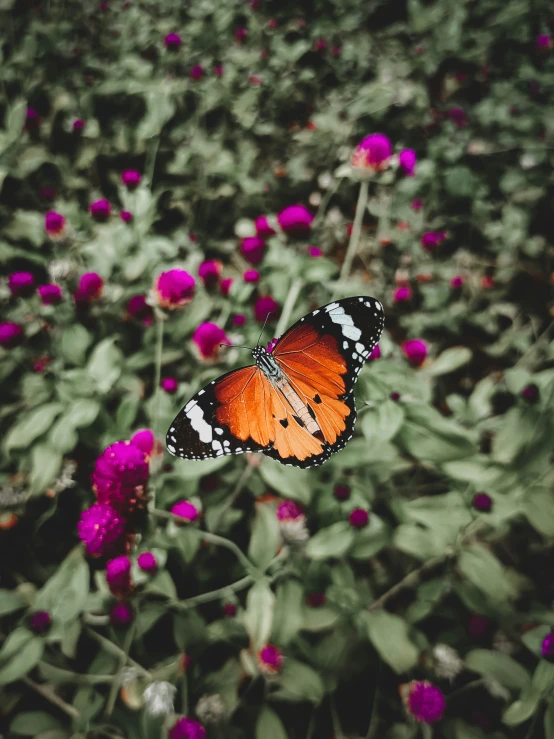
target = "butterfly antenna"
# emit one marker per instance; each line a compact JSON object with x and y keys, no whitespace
{"x":263,"y":328}
{"x":236,"y":346}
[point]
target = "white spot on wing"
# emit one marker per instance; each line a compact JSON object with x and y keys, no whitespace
{"x":360,"y":348}
{"x":171,"y":448}
{"x":351,"y":332}
{"x":199,"y":424}
{"x":331,"y":307}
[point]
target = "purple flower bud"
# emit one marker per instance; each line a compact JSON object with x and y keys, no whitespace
{"x":341,"y":492}
{"x":100,"y":210}
{"x":121,"y":615}
{"x":32,"y":119}
{"x":186,"y":510}
{"x":265,"y":305}
{"x":145,"y":441}
{"x":359,"y":518}
{"x":225,"y":286}
{"x":415,"y":351}
{"x":416,"y":204}
{"x":430,"y":240}
{"x":295,"y":220}
{"x":174,"y":288}
{"x":270,"y":659}
{"x":218,"y":70}
{"x":21,"y":284}
{"x":169,"y":384}
{"x":402,"y":294}
{"x":315,"y":251}
{"x":375,"y":354}
{"x":251,"y":275}
{"x":263,"y":228}
{"x":530,"y":393}
{"x":240,"y":35}
{"x":138,"y":308}
{"x":239,"y":320}
{"x":172,"y":41}
{"x":547,"y":646}
{"x":458,"y":117}
{"x":457,"y":282}
{"x":197,"y":72}
{"x":543,"y":42}
{"x":288,"y":510}
{"x":395,"y":396}
{"x":253,"y":248}
{"x":482,"y":502}
{"x":373,"y":153}
{"x":118,"y":575}
{"x":186,"y":728}
{"x":40,"y":622}
{"x":315,"y":600}
{"x":407,"y":160}
{"x":147,"y":562}
{"x":101,"y":528}
{"x":11,"y":335}
{"x":210,"y":272}
{"x":78,"y":125}
{"x":425,"y":702}
{"x":207,"y":337}
{"x":90,"y":288}
{"x":50,"y":294}
{"x":126,"y":216}
{"x":131,"y":178}
{"x":54,"y":223}
{"x":230,"y":610}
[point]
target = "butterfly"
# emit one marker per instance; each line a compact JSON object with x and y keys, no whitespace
{"x":296,"y":403}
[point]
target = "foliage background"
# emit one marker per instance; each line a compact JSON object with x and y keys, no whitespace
{"x":216,"y":153}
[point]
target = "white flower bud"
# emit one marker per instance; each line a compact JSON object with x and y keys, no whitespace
{"x":159,"y":697}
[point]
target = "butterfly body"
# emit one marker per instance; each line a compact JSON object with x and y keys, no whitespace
{"x":296,"y":402}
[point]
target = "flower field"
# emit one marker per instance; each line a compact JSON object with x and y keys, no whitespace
{"x":181,"y":180}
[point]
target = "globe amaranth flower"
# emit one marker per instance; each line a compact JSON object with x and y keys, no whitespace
{"x":402,"y":294}
{"x":271,"y":345}
{"x":174,"y":289}
{"x":147,"y":562}
{"x":210,"y":709}
{"x":210,"y":272}
{"x":341,"y":491}
{"x":375,"y":354}
{"x":289,"y":510}
{"x":320,"y":44}
{"x":457,"y":282}
{"x":120,"y":477}
{"x":458,"y":117}
{"x":100,"y":210}
{"x":197,"y":72}
{"x":21,"y":284}
{"x":430,"y":240}
{"x":40,"y":622}
{"x":138,"y":308}
{"x":40,"y":364}
{"x":121,"y":615}
{"x":270,"y":659}
{"x":225,"y":286}
{"x":543,"y":42}
{"x":50,"y":294}
{"x":253,"y":249}
{"x":145,"y":441}
{"x":292,"y":522}
{"x":32,"y":119}
{"x":172,"y":41}
{"x":251,"y":275}
{"x":373,"y":153}
{"x":126,"y":216}
{"x":415,"y":351}
{"x":187,"y":728}
{"x":482,"y":502}
{"x":487,"y":281}
{"x":218,"y":70}
{"x":416,"y":204}
{"x":395,"y":396}
{"x":131,"y":178}
{"x":295,"y":220}
{"x":78,"y":125}
{"x":207,"y":337}
{"x":101,"y":528}
{"x":118,"y":575}
{"x":424,"y":701}
{"x":11,"y":334}
{"x":358,"y":518}
{"x":240,"y":35}
{"x":169,"y":384}
{"x":407,"y":160}
{"x":90,"y":288}
{"x":239,"y":320}
{"x":230,"y":610}
{"x":266,"y":306}
{"x":54,"y":223}
{"x":186,"y":510}
{"x":547,"y":646}
{"x":263,"y":227}
{"x":158,"y":698}
{"x":315,"y":251}
{"x":530,"y":393}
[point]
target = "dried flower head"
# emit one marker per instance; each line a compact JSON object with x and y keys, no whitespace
{"x":159,"y":697}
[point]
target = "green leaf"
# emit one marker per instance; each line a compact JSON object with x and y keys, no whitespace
{"x":299,"y":682}
{"x":147,"y":617}
{"x":26,"y":225}
{"x":34,"y":722}
{"x":371,"y":539}
{"x":258,"y":616}
{"x":429,"y":436}
{"x":15,"y":120}
{"x":10,"y":601}
{"x":383,"y":422}
{"x":499,"y":666}
{"x":83,"y":412}
{"x":74,"y":344}
{"x":287,"y":481}
{"x":65,"y":594}
{"x":32,"y":425}
{"x":389,"y":635}
{"x":460,"y":182}
{"x":162,"y":583}
{"x":538,"y":507}
{"x":522,"y":709}
{"x":333,"y":541}
{"x":19,"y":654}
{"x":289,"y":611}
{"x":265,"y":536}
{"x":549,"y":720}
{"x":269,"y":725}
{"x":104,"y":365}
{"x":482,"y":569}
{"x":449,"y":360}
{"x":45,"y":466}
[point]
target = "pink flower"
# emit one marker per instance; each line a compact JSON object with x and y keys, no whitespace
{"x":32,"y":119}
{"x":126,"y":216}
{"x":482,"y":502}
{"x":239,"y":320}
{"x":131,"y":178}
{"x":266,"y":306}
{"x":341,"y":492}
{"x":197,"y":72}
{"x":315,"y":251}
{"x":78,"y":125}
{"x":186,"y":510}
{"x":424,"y":701}
{"x":430,"y":240}
{"x":407,"y":160}
{"x":218,"y":70}
{"x":240,"y":35}
{"x":251,"y":275}
{"x":101,"y":528}
{"x":375,"y":354}
{"x":40,"y":622}
{"x":169,"y":384}
{"x":174,"y":289}
{"x":118,"y":575}
{"x":288,"y":510}
{"x":230,"y":610}
{"x":458,"y":117}
{"x":50,"y":294}
{"x":402,"y":294}
{"x":415,"y":351}
{"x":172,"y":41}
{"x":253,"y":248}
{"x":210,"y":271}
{"x":416,"y":204}
{"x":120,"y":477}
{"x":54,"y":223}
{"x":359,"y":518}
{"x":543,"y":42}
{"x":207,"y":337}
{"x":90,"y":288}
{"x":270,"y":659}
{"x":11,"y":335}
{"x":138,"y":308}
{"x":457,"y":282}
{"x":225,"y":285}
{"x":121,"y":615}
{"x":145,"y":441}
{"x":186,"y":728}
{"x":373,"y":153}
{"x":147,"y":562}
{"x":263,"y":228}
{"x":547,"y":647}
{"x":271,"y":345}
{"x":100,"y":210}
{"x":295,"y":220}
{"x":21,"y":284}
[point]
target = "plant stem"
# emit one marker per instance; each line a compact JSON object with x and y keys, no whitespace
{"x":152,"y":154}
{"x":294,"y":292}
{"x":356,"y":231}
{"x":117,"y":677}
{"x":112,"y":648}
{"x":212,"y":594}
{"x":247,"y":473}
{"x":51,"y":697}
{"x":157,"y":389}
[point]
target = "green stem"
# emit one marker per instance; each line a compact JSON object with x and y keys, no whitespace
{"x":157,"y":389}
{"x":116,"y":684}
{"x":112,"y":648}
{"x":52,"y":698}
{"x":212,"y":594}
{"x":151,"y":163}
{"x":356,"y":232}
{"x":294,"y":292}
{"x":247,"y":473}
{"x":337,"y":728}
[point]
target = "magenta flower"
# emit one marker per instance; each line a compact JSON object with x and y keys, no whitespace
{"x":230,"y":610}
{"x":240,"y":35}
{"x":138,"y":308}
{"x":315,"y":251}
{"x":131,"y":178}
{"x":253,"y":248}
{"x":169,"y":384}
{"x":197,"y":72}
{"x":482,"y":502}
{"x":424,"y":701}
{"x":359,"y":518}
{"x":407,"y":160}
{"x":100,"y":210}
{"x":32,"y":119}
{"x":207,"y":337}
{"x":218,"y":70}
{"x":54,"y":223}
{"x":101,"y":528}
{"x":126,"y":216}
{"x":543,"y":42}
{"x":530,"y":393}
{"x":271,"y":345}
{"x":336,"y":50}
{"x":415,"y":351}
{"x":174,"y":289}
{"x":121,"y":615}
{"x":430,"y":240}
{"x":186,"y":510}
{"x":395,"y":396}
{"x":375,"y":354}
{"x":270,"y":659}
{"x":145,"y":441}
{"x":186,"y":728}
{"x":416,"y":204}
{"x":78,"y":125}
{"x":118,"y":575}
{"x":120,"y":477}
{"x":40,"y":622}
{"x":251,"y":275}
{"x":263,"y":228}
{"x":320,"y":45}
{"x":288,"y":510}
{"x":21,"y":284}
{"x":295,"y":220}
{"x":210,"y":272}
{"x":373,"y":153}
{"x":457,"y":282}
{"x":239,"y":320}
{"x":547,"y":646}
{"x":402,"y":294}
{"x":172,"y":41}
{"x":265,"y":306}
{"x":341,"y":492}
{"x":11,"y":334}
{"x":90,"y":288}
{"x":147,"y":562}
{"x":225,"y":286}
{"x":50,"y":294}
{"x":458,"y":117}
